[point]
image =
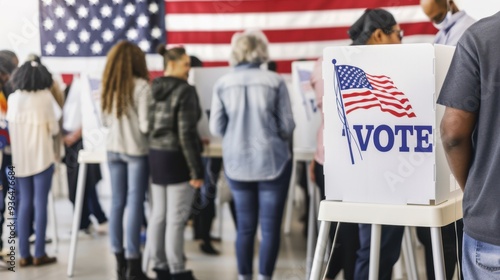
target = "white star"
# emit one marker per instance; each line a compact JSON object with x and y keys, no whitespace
{"x":47,"y":2}
{"x":82,"y":12}
{"x":73,"y":48}
{"x":140,"y":1}
{"x":142,"y":21}
{"x":132,"y":34}
{"x":48,"y":24}
{"x":95,"y":23}
{"x":84,"y":36}
{"x":106,"y":11}
{"x":70,"y":2}
{"x":59,"y":12}
{"x":60,"y":36}
{"x":50,"y":48}
{"x":144,"y":45}
{"x":94,"y":2}
{"x":153,"y":8}
{"x":72,"y":24}
{"x":129,"y":9}
{"x":119,"y":22}
{"x":107,"y":35}
{"x":117,"y":1}
{"x":156,"y":33}
{"x":96,"y":47}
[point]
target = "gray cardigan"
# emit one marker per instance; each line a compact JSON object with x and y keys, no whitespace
{"x":128,"y":134}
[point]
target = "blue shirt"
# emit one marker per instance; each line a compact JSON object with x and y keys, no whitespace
{"x":455,"y":27}
{"x":251,"y":110}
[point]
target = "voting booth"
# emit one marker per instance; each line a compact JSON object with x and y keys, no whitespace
{"x":381,"y":136}
{"x":203,"y":79}
{"x":306,"y":113}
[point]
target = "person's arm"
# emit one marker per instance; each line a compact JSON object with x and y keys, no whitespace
{"x":187,"y":122}
{"x":218,"y":118}
{"x":284,"y":114}
{"x":456,"y":133}
{"x":72,"y":137}
{"x":143,"y":106}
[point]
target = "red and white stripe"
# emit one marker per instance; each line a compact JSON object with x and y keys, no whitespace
{"x":295,"y":29}
{"x":384,"y":95}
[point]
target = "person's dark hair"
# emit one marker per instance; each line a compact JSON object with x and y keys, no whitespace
{"x":195,"y":62}
{"x":32,"y":76}
{"x":442,"y":3}
{"x":370,"y":21}
{"x":6,"y":64}
{"x":12,"y":57}
{"x":173,"y":53}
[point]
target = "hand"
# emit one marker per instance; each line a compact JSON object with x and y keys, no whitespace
{"x":311,"y":171}
{"x":196,"y":183}
{"x":68,"y":140}
{"x":205,"y":141}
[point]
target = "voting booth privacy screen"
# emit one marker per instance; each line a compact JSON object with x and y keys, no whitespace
{"x":306,"y":113}
{"x":381,"y":124}
{"x":204,"y":79}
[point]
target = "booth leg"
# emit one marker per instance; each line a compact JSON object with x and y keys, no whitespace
{"x":289,"y":202}
{"x":312,"y":224}
{"x":80,"y":188}
{"x":410,"y":260}
{"x":52,"y":211}
{"x":375,"y":251}
{"x":437,"y":253}
{"x":319,"y":254}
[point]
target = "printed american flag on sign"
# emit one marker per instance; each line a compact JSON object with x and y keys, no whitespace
{"x":364,"y":91}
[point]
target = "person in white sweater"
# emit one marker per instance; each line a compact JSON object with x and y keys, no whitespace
{"x":32,"y":117}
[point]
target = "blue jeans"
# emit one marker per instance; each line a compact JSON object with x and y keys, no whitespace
{"x":390,"y":249}
{"x":264,"y":200}
{"x":129,"y":182}
{"x":33,"y":192}
{"x":480,"y":260}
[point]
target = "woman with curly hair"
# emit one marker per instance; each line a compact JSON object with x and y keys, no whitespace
{"x":33,"y":121}
{"x":126,"y":95}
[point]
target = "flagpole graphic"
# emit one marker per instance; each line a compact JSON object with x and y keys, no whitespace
{"x":338,"y":96}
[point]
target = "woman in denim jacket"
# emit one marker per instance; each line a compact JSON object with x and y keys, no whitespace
{"x":251,"y":110}
{"x":125,"y":99}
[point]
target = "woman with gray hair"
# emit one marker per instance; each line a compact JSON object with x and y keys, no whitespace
{"x":251,"y":110}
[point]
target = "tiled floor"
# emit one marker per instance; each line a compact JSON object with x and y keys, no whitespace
{"x":95,"y":261}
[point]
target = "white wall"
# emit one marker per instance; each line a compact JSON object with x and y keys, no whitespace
{"x":479,"y":9}
{"x":19,"y":27}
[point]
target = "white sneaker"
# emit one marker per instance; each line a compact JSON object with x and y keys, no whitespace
{"x":102,"y":229}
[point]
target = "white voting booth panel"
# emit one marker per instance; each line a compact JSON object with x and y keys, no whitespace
{"x":306,"y":114}
{"x":381,"y":125}
{"x":203,"y":79}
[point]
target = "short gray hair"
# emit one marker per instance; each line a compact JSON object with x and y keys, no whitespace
{"x":249,"y":46}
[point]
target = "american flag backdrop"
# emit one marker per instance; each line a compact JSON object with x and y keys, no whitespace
{"x":76,"y":34}
{"x":364,"y":91}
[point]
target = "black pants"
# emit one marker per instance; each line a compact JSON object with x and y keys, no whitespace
{"x":449,"y":248}
{"x":204,"y":203}
{"x":347,"y":243}
{"x":91,"y":205}
{"x":7,"y":161}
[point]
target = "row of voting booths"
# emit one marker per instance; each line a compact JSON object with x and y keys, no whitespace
{"x":381,"y":134}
